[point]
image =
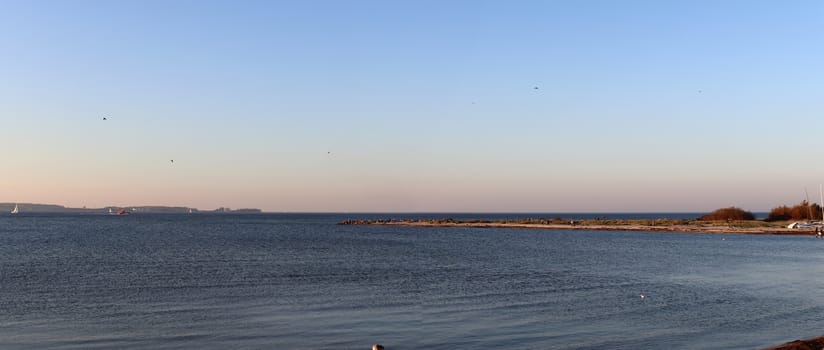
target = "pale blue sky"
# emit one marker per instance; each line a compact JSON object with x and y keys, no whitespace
{"x":424,"y":105}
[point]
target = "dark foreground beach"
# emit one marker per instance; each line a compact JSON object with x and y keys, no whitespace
{"x":659,"y":225}
{"x":806,"y":344}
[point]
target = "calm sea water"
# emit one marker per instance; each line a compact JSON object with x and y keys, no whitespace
{"x":301,"y":282}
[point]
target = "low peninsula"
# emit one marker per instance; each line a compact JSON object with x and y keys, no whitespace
{"x":783,"y":220}
{"x":656,"y":225}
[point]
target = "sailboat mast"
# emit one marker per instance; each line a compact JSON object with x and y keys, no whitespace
{"x":809,"y":208}
{"x":821,"y":197}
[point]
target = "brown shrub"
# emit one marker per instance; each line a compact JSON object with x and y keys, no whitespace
{"x":731,"y":213}
{"x":801,"y":211}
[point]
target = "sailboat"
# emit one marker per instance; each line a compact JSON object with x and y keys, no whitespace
{"x":15,"y":210}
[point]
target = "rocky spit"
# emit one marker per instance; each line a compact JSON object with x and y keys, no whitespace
{"x":658,"y":225}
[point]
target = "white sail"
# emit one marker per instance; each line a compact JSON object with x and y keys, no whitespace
{"x":15,"y":210}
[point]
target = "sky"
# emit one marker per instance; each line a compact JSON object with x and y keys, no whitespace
{"x":413,"y":106}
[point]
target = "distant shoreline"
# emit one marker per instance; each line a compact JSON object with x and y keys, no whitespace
{"x":135,"y":209}
{"x":659,"y":225}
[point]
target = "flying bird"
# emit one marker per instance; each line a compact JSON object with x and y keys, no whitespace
{"x":535,"y":88}
{"x":104,"y":118}
{"x":172,"y":160}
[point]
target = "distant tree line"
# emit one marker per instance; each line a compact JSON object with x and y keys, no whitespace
{"x":801,"y":212}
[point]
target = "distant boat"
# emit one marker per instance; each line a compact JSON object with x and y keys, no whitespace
{"x":119,"y":212}
{"x":808,"y":224}
{"x":15,"y":210}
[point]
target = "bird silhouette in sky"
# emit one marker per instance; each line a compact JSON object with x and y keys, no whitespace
{"x":104,"y":118}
